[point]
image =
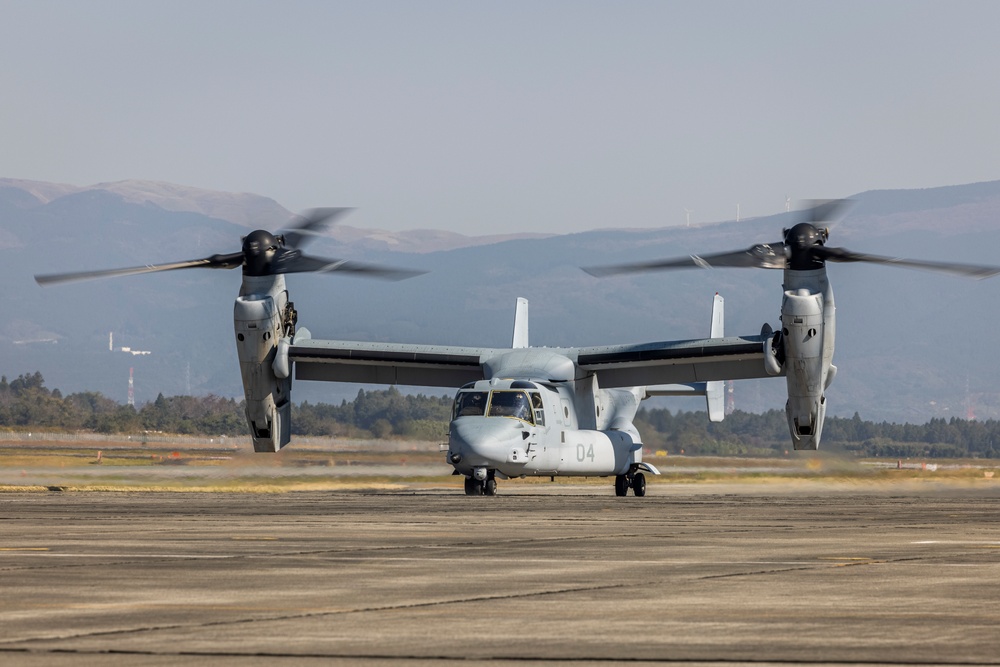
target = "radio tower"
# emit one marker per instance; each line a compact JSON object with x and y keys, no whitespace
{"x":131,"y":388}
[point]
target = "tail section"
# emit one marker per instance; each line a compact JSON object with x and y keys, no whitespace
{"x":713,"y":391}
{"x":718,"y":317}
{"x":520,"y":324}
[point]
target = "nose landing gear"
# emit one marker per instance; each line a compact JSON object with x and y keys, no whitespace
{"x":487,"y":486}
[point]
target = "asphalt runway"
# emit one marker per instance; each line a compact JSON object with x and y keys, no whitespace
{"x":783,"y":574}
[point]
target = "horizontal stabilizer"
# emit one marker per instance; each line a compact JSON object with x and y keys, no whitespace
{"x":712,"y":391}
{"x":692,"y":389}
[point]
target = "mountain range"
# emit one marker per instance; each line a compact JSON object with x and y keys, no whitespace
{"x":911,"y":345}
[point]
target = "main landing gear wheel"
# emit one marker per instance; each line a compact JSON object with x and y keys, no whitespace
{"x":638,"y":484}
{"x":490,"y":487}
{"x":635,"y":481}
{"x":621,"y":485}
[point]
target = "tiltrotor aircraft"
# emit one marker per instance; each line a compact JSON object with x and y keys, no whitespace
{"x":538,"y":411}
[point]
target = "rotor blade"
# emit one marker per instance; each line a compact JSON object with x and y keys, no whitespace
{"x":229,"y":261}
{"x":825,"y":210}
{"x":311,"y":224}
{"x":295,"y":262}
{"x":968,"y":270}
{"x":762,"y":255}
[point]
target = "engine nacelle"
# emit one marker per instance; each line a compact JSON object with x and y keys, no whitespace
{"x":802,"y":322}
{"x":259,"y":323}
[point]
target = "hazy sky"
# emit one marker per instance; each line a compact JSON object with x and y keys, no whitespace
{"x":484,"y":117}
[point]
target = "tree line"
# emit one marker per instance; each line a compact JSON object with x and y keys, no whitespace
{"x":751,"y":434}
{"x":26,"y":403}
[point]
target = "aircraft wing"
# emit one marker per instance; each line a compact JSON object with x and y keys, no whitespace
{"x":386,"y":363}
{"x":663,"y":363}
{"x":675,"y":362}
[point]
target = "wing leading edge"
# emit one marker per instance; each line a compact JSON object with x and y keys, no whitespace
{"x":667,"y":362}
{"x":675,"y":362}
{"x":386,"y":363}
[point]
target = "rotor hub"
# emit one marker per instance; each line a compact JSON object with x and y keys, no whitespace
{"x":801,"y":240}
{"x":259,"y":248}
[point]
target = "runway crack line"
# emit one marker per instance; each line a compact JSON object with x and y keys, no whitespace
{"x":322,"y":614}
{"x":822,"y":565}
{"x":360,"y":657}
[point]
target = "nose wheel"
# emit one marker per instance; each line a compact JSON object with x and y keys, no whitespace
{"x":485,"y":487}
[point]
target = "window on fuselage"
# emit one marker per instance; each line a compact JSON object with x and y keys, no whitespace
{"x":539,"y":409}
{"x":504,"y":403}
{"x":470,"y":403}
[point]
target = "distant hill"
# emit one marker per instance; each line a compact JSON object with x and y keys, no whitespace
{"x":242,"y":209}
{"x":246,"y":210}
{"x":910,"y":345}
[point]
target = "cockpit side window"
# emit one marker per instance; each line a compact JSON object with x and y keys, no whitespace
{"x":511,"y":404}
{"x":470,"y":403}
{"x":537,"y":407}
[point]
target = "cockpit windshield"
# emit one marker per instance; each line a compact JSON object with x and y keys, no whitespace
{"x":510,"y":404}
{"x":502,"y":403}
{"x":470,"y":403}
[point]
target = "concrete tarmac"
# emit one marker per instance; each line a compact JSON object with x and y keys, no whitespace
{"x":782,"y":574}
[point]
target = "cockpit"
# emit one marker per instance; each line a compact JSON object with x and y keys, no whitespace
{"x":520,"y":400}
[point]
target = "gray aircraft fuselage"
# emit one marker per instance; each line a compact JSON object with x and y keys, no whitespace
{"x":522,"y":428}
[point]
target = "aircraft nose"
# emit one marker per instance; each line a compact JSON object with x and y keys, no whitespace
{"x":483,"y":441}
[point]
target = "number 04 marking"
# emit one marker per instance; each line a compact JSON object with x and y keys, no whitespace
{"x":583,"y":452}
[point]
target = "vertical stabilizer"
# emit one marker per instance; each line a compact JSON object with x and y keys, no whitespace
{"x":715,"y":390}
{"x":520,"y":324}
{"x":718,"y":317}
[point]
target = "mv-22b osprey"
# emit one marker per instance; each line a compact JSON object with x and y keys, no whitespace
{"x":538,"y":411}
